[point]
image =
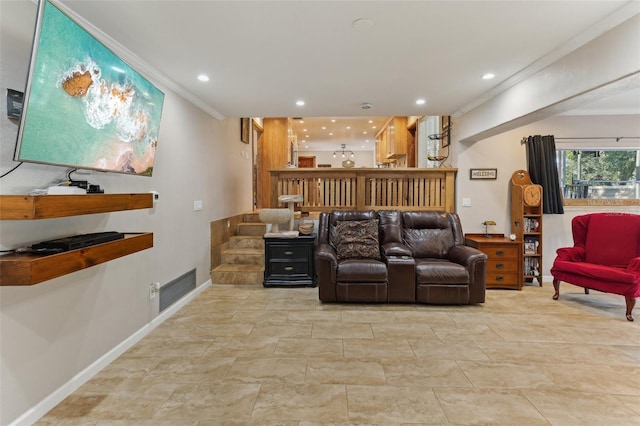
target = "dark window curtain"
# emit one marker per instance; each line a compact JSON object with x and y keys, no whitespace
{"x":543,"y":169}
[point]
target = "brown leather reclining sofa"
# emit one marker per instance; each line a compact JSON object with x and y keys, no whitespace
{"x":393,"y":256}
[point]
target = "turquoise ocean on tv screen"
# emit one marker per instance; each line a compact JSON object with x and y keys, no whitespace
{"x":86,"y":107}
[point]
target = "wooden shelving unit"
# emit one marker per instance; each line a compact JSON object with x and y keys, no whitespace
{"x":526,"y":223}
{"x":29,"y":207}
{"x":19,"y":269}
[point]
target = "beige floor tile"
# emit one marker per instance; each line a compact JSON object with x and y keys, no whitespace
{"x":309,"y":402}
{"x":378,"y":349}
{"x":484,"y":374}
{"x":457,"y":351}
{"x":337,"y":329}
{"x":550,"y":352}
{"x":309,"y":347}
{"x":226,"y":401}
{"x":465,"y":406}
{"x":239,"y":355}
{"x":300,"y":329}
{"x":368,"y":316}
{"x":394,"y":330}
{"x":133,"y":401}
{"x":572,"y":408}
{"x":314,"y":315}
{"x":204,"y":369}
{"x":384,"y":405}
{"x":242,"y":346}
{"x":267,"y":370}
{"x":345,"y":371}
{"x":424,"y":373}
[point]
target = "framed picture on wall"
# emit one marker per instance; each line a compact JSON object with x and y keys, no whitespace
{"x":245,"y":129}
{"x":483,"y":174}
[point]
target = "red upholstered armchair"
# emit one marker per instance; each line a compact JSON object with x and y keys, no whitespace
{"x":605,"y":256}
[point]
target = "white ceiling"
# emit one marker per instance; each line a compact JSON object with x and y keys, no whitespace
{"x":263,"y":56}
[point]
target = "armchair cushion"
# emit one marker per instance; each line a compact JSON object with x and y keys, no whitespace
{"x":357,"y":239}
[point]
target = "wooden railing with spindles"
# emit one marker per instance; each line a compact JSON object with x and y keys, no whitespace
{"x":366,"y":188}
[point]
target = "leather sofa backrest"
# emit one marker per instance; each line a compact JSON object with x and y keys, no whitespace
{"x":431,"y":233}
{"x":611,"y":239}
{"x":390,"y":226}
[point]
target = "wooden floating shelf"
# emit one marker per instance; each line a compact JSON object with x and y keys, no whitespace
{"x":18,"y":269}
{"x":21,"y":207}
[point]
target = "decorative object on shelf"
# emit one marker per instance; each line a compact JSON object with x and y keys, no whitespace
{"x":343,"y":153}
{"x":290,"y":199}
{"x":486,"y":224}
{"x":245,"y":129}
{"x":445,"y":134}
{"x":476,"y":174}
{"x":348,"y":164}
{"x":305,"y":227}
{"x":276,"y":217}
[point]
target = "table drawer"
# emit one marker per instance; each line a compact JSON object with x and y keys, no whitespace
{"x":501,"y":266}
{"x":502,"y":280}
{"x":290,"y":251}
{"x":289,"y":268}
{"x":501,"y":252}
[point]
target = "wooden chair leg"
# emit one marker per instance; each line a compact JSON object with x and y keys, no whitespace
{"x":556,"y":287}
{"x":631,"y":302}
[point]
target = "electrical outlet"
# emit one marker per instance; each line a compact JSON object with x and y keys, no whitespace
{"x":154,"y":289}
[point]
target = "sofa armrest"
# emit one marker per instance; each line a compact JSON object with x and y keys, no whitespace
{"x":476,"y":263}
{"x":634,"y":265}
{"x":466,"y":256}
{"x":571,"y":254}
{"x":394,"y":249}
{"x":326,"y":268}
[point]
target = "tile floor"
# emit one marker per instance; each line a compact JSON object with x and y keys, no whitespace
{"x":254,"y":356}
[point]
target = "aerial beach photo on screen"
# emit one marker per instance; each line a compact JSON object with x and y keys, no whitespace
{"x":84,"y":106}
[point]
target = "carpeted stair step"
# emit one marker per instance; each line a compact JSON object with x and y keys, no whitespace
{"x":246,"y":241}
{"x":243,"y":256}
{"x":251,"y":228}
{"x":238,"y":274}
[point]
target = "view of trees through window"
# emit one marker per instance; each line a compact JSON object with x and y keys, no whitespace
{"x":599,"y":174}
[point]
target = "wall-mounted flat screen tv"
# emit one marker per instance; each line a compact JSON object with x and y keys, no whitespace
{"x":84,"y":107}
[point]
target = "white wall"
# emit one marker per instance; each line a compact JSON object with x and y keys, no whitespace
{"x":52,"y":331}
{"x":490,"y":199}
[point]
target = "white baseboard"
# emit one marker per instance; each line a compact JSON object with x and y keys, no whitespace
{"x":43,"y":407}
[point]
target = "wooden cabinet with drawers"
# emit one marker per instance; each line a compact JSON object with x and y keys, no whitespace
{"x":504,"y":261}
{"x":290,"y":261}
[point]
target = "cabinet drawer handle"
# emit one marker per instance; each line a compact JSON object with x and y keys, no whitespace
{"x":499,"y":253}
{"x":288,"y":268}
{"x":499,"y":278}
{"x":499,"y":265}
{"x":288,"y":253}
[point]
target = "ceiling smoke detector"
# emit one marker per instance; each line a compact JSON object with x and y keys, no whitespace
{"x":366,"y":105}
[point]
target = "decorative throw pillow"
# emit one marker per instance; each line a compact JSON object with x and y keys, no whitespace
{"x":357,"y":239}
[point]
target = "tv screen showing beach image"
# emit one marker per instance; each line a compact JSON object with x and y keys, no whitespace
{"x":84,"y":107}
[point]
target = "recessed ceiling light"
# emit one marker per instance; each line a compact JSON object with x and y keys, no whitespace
{"x":488,"y":76}
{"x":370,"y":121}
{"x":367,"y":141}
{"x":333,"y":120}
{"x":306,"y":147}
{"x":348,"y":127}
{"x":374,"y":127}
{"x":306,"y":136}
{"x":301,"y":121}
{"x":304,"y":130}
{"x":203,"y":78}
{"x":300,"y":103}
{"x":324,"y":127}
{"x":330,"y":134}
{"x":420,"y":102}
